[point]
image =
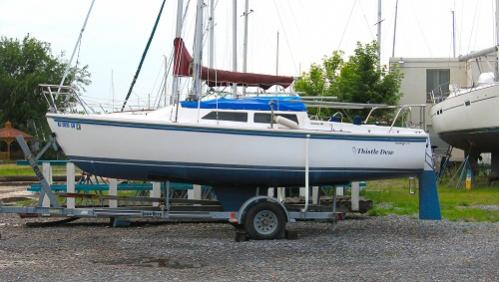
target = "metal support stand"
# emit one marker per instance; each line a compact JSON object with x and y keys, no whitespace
{"x":33,"y":163}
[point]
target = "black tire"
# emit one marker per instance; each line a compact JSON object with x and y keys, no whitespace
{"x":265,"y":221}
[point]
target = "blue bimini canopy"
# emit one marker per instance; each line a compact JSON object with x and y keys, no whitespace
{"x":266,"y":103}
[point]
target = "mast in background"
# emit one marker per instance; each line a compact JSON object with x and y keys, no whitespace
{"x":395,"y":29}
{"x":112,"y":88}
{"x":453,"y":33}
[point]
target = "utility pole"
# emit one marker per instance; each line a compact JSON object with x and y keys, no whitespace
{"x":395,"y":28}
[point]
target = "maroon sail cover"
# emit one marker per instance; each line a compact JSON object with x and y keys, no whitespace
{"x":182,"y":66}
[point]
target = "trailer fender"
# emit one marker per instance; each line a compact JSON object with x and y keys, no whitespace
{"x":243,"y":209}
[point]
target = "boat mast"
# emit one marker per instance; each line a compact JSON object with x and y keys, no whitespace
{"x":212,"y":34}
{"x":277,"y":55}
{"x":178,"y":33}
{"x":497,"y":38}
{"x":234,"y":42}
{"x":378,"y":35}
{"x":198,"y":52}
{"x":245,"y":42}
{"x":277,"y":58}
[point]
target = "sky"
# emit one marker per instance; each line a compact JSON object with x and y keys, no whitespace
{"x":117,"y":32}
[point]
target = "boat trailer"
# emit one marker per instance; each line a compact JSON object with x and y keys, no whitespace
{"x":259,"y":217}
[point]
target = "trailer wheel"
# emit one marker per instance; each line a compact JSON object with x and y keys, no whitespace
{"x":265,"y":221}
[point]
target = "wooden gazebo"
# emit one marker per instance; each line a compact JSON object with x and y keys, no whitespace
{"x":8,"y":135}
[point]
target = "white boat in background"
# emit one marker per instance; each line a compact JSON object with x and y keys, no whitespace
{"x":467,"y":118}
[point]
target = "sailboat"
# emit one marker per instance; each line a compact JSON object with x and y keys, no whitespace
{"x":467,"y":118}
{"x":237,"y":143}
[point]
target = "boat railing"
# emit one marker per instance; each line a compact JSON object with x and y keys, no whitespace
{"x":63,"y":98}
{"x":400,"y":111}
{"x":441,"y":92}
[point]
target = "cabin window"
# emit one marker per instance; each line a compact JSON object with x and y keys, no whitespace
{"x":227,"y":116}
{"x":265,"y":118}
{"x":437,"y":80}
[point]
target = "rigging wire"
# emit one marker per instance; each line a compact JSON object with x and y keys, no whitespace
{"x":421,"y":31}
{"x":473,"y":25}
{"x":373,"y":36}
{"x":144,"y":55}
{"x":156,"y":78}
{"x":346,"y":24}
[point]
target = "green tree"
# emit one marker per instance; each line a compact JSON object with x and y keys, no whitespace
{"x":23,"y":65}
{"x":358,"y":80}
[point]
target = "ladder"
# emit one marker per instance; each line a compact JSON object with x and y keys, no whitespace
{"x":445,"y":164}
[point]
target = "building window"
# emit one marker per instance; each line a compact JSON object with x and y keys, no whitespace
{"x":437,"y":80}
{"x":265,"y":118}
{"x":228,"y":116}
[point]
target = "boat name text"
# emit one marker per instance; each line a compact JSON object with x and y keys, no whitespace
{"x":372,"y":151}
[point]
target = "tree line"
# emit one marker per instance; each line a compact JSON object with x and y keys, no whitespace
{"x":359,"y":79}
{"x":24,"y":64}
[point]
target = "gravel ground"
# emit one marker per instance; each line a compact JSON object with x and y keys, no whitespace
{"x":360,"y":248}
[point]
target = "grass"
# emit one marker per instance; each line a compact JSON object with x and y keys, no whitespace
{"x":389,"y":196}
{"x":25,"y":170}
{"x":393,"y":197}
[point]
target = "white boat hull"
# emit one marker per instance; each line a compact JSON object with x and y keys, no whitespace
{"x":469,"y":120}
{"x":230,"y":156}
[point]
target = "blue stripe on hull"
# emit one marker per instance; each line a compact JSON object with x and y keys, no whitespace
{"x":216,"y":175}
{"x":240,"y":131}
